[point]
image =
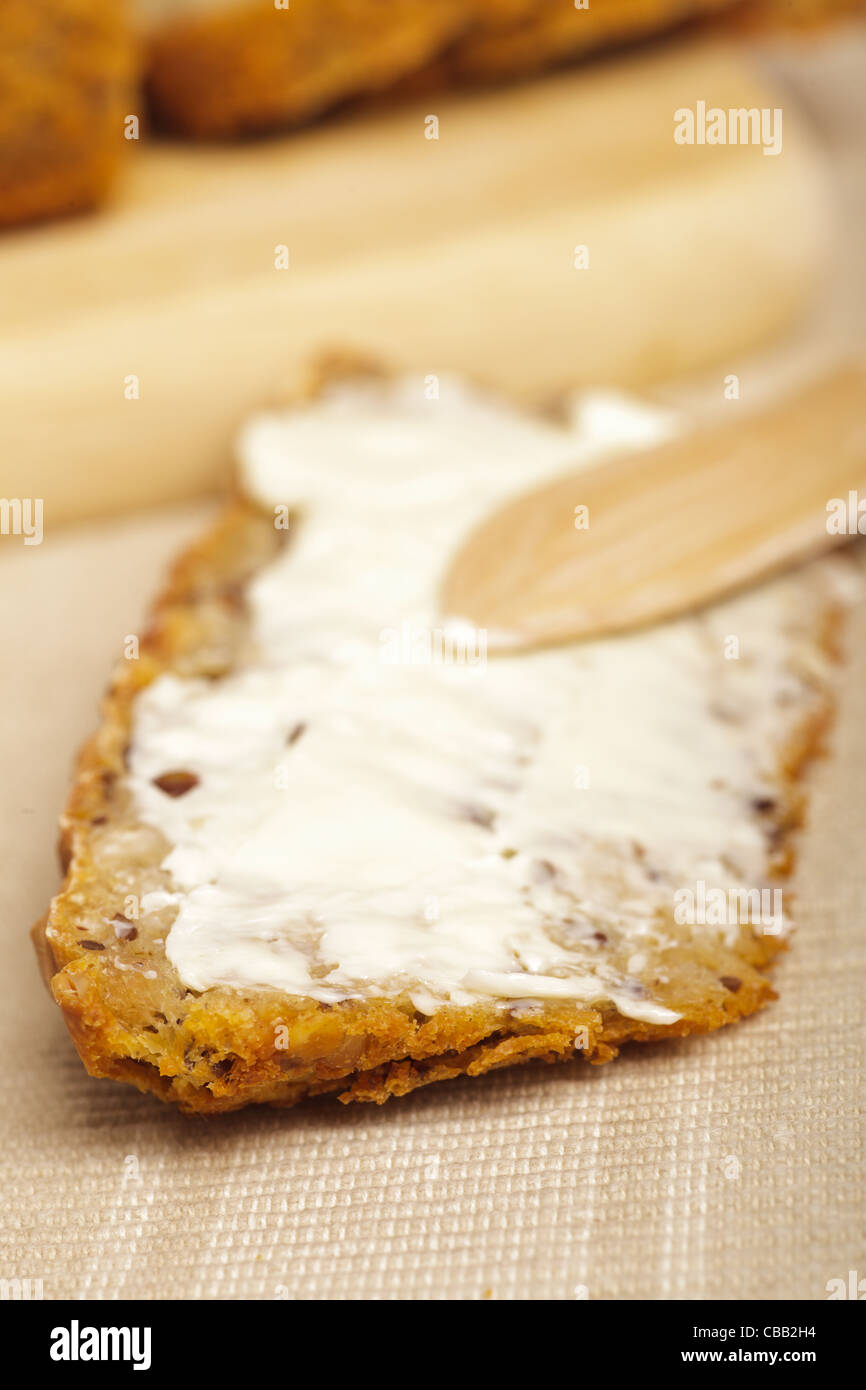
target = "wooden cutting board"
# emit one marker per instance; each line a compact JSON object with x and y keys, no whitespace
{"x":457,"y":252}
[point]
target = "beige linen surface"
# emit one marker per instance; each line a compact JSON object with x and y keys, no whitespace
{"x":727,"y":1167}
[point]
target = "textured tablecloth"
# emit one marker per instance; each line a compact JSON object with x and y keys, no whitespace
{"x":728,"y":1166}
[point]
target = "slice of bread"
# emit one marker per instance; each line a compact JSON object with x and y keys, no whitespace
{"x":66,"y":71}
{"x":306,"y":853}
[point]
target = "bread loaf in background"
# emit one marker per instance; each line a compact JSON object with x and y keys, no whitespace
{"x":65,"y":85}
{"x":217,"y":68}
{"x":510,"y":38}
{"x":220,"y":68}
{"x":132,"y":347}
{"x":513,"y":39}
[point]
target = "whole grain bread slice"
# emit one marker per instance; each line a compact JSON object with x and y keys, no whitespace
{"x":133,"y":1019}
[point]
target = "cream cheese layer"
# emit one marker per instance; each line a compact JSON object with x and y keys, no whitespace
{"x":381,"y":808}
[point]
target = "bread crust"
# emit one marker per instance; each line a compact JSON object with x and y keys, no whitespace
{"x":132,"y":1019}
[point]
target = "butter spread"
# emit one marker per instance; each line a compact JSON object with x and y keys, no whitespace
{"x":381,"y":809}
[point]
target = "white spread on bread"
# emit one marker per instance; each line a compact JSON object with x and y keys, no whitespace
{"x":372,"y":817}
